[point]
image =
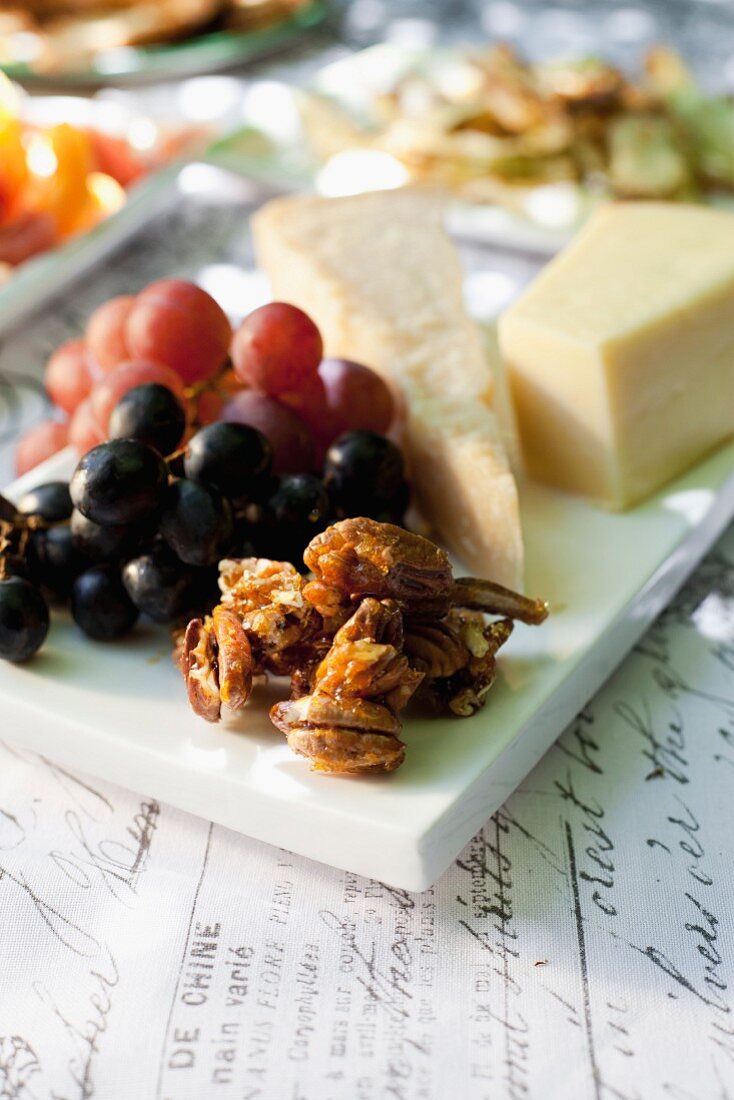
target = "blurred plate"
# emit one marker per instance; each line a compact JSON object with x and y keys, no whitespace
{"x":274,"y":146}
{"x":31,"y":283}
{"x":200,"y":54}
{"x":36,"y":281}
{"x":206,"y":105}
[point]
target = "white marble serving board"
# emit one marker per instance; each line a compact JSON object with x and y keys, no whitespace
{"x":119,"y":711}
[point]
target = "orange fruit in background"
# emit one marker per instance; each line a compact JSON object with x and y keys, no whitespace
{"x":102,"y":196}
{"x":115,"y":157}
{"x":13,"y":168}
{"x":60,"y":160}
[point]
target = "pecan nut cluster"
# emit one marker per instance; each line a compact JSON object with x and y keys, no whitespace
{"x":380,"y":617}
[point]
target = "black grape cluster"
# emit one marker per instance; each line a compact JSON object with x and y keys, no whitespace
{"x":141,"y":530}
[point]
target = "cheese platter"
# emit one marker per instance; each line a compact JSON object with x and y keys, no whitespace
{"x":323,"y":715}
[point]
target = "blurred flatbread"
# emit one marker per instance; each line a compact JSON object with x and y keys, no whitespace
{"x":68,"y":34}
{"x":70,"y":41}
{"x":247,"y":15}
{"x":49,"y":9}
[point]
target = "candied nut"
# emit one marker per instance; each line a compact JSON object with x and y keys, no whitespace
{"x":479,"y":595}
{"x":436,"y":649}
{"x":267,"y":596}
{"x":378,"y":620}
{"x":398,"y":697}
{"x":347,"y":752}
{"x":217,"y":664}
{"x":348,"y":723}
{"x":465,"y":692}
{"x":382,"y":615}
{"x":299,"y":662}
{"x":361,"y":668}
{"x":321,"y":710}
{"x":361,"y":557}
{"x":362,"y":662}
{"x":343,"y":737}
{"x":328,"y":602}
{"x":234,"y":659}
{"x":198,"y":668}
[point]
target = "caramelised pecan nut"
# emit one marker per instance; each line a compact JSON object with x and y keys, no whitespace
{"x":382,"y":615}
{"x":362,"y":669}
{"x":347,"y":723}
{"x":361,"y":557}
{"x":217,"y":664}
{"x":345,"y":737}
{"x":267,"y":597}
{"x":465,"y":692}
{"x":330,"y":603}
{"x":363,"y":715}
{"x":475,"y":594}
{"x":346,"y":752}
{"x":365,"y":659}
{"x":378,"y":620}
{"x":436,"y":648}
{"x":299,"y":663}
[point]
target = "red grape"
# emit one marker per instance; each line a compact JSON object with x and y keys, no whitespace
{"x":105,"y":332}
{"x":126,"y":376}
{"x":39,"y":443}
{"x":84,"y":431}
{"x":67,"y":378}
{"x":179,"y":324}
{"x":277,"y":349}
{"x":357,"y":398}
{"x":310,"y":404}
{"x":117,"y":158}
{"x":292,"y":443}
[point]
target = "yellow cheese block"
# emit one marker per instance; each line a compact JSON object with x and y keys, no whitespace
{"x":621,"y":353}
{"x":384,"y":284}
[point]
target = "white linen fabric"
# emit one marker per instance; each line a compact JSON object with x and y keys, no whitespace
{"x":581,"y":946}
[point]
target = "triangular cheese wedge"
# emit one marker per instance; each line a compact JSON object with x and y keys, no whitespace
{"x":383,"y":282}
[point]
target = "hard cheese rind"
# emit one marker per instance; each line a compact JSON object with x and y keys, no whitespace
{"x":621,"y":353}
{"x":384,"y":283}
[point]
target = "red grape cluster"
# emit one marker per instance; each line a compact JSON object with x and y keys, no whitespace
{"x":173,"y":333}
{"x":196,"y":444}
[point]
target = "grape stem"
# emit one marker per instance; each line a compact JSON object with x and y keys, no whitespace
{"x":197,"y":388}
{"x":23,"y":527}
{"x":12,"y":520}
{"x":207,"y":385}
{"x":191,"y":393}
